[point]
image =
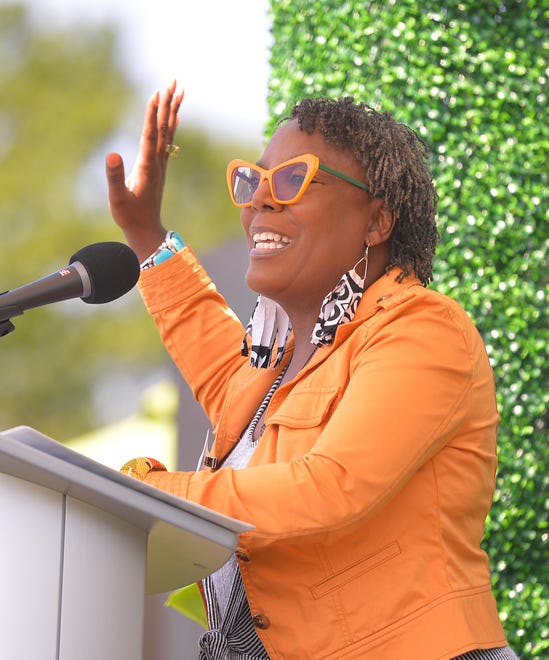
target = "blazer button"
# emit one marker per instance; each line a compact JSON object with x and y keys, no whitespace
{"x":241,"y":554}
{"x":261,"y":621}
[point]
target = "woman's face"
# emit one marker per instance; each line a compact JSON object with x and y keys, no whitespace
{"x":315,"y":240}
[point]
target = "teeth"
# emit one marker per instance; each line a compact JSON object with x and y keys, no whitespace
{"x":269,"y":246}
{"x":270,"y":236}
{"x":268,"y":240}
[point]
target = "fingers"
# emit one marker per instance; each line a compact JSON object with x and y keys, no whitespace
{"x":167,"y":119}
{"x":160,"y":123}
{"x":115,"y":166}
{"x":135,"y":202}
{"x":176,"y":102}
{"x":164,"y":117}
{"x":115,"y":176}
{"x":149,"y":135}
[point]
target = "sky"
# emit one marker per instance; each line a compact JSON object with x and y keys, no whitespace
{"x":218,"y":51}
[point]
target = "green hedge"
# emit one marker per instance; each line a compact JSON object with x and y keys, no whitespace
{"x":470,"y":79}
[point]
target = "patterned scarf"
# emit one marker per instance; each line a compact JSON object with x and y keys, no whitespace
{"x":339,"y":306}
{"x":270,"y":323}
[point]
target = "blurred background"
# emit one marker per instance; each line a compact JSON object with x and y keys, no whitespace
{"x":74,"y":79}
{"x":469,"y":77}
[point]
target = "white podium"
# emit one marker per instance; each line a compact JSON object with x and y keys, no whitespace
{"x":81,"y":544}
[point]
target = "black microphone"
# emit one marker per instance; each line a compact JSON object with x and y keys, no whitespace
{"x":97,"y":273}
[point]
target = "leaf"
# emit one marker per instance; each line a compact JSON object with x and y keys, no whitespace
{"x":188,"y":601}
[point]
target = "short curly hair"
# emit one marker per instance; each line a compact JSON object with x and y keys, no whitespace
{"x":396,"y":166}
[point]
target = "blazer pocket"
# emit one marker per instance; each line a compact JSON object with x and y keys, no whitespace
{"x":352,"y":572}
{"x":306,"y":408}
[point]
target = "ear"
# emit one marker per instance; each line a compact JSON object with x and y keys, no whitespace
{"x":380,"y":224}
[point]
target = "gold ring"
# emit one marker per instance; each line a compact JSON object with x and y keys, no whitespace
{"x":172,"y":150}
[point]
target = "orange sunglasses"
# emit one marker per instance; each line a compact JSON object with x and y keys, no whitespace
{"x":287,"y":181}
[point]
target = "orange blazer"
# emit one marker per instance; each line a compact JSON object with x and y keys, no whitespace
{"x":371,"y":484}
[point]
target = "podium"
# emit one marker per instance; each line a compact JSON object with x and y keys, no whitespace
{"x":80,"y":546}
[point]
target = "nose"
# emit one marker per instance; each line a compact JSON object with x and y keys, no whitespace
{"x":263,"y":197}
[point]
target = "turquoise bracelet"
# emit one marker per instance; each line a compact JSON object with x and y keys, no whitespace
{"x":171,"y":245}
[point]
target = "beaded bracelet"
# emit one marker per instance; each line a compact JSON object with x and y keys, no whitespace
{"x":171,"y":245}
{"x":139,"y":468}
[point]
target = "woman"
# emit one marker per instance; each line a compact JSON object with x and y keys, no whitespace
{"x":356,"y":427}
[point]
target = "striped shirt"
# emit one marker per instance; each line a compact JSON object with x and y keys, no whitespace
{"x":232,"y":634}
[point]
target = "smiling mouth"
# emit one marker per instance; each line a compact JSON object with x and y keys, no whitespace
{"x":267,"y":240}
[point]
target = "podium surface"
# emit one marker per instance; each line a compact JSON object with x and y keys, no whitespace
{"x":80,"y":546}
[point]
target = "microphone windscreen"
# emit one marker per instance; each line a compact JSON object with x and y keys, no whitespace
{"x":113,"y":269}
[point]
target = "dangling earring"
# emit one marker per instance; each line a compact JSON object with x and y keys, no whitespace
{"x":361,"y":279}
{"x":339,"y":306}
{"x":366,"y":254}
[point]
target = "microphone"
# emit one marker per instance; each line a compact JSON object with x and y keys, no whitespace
{"x":97,"y":273}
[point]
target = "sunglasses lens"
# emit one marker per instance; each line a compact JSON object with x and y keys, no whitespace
{"x":245,"y":181}
{"x":289,"y":180}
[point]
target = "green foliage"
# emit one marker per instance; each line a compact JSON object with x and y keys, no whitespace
{"x":63,"y":100}
{"x":470,"y":78}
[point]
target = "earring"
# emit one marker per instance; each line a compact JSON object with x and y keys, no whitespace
{"x":354,"y":274}
{"x":366,"y":254}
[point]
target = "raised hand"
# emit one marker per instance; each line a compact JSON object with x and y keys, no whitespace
{"x":135,"y":203}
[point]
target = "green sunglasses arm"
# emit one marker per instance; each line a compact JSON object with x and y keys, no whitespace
{"x":345,"y":177}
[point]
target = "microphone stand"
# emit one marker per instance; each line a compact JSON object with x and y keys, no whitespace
{"x":6,"y":327}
